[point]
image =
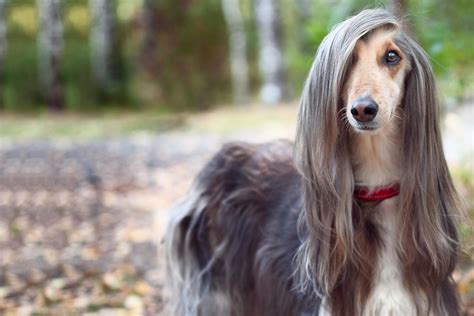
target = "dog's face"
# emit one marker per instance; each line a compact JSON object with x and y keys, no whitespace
{"x":375,"y":84}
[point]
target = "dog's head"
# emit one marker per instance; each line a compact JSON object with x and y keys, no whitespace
{"x":374,"y":86}
{"x":370,"y":75}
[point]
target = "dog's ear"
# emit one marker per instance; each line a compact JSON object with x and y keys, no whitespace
{"x":426,"y":178}
{"x":420,"y":106}
{"x":429,"y":202}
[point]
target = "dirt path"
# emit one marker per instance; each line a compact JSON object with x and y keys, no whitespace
{"x":80,"y":223}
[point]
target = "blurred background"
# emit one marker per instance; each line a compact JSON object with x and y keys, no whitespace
{"x":108,"y":109}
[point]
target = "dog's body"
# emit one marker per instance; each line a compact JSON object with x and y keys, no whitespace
{"x":256,"y":201}
{"x":261,"y":235}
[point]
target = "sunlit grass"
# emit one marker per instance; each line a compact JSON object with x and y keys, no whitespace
{"x":86,"y":126}
{"x":72,"y":127}
{"x":231,"y":119}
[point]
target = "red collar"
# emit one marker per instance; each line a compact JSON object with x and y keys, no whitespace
{"x":378,"y":194}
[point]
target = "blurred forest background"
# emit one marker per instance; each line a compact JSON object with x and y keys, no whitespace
{"x":109,"y":108}
{"x":78,"y":55}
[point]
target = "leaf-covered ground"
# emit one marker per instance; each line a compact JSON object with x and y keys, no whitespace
{"x":81,"y":221}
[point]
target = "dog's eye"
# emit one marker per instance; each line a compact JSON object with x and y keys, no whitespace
{"x":392,"y":58}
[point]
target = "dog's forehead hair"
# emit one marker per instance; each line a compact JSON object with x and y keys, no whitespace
{"x":378,"y":41}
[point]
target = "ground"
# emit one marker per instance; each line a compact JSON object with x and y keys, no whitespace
{"x":83,"y":214}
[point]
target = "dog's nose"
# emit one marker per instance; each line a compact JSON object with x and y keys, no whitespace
{"x":364,"y":109}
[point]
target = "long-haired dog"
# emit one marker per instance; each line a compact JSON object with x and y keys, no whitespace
{"x":363,"y":223}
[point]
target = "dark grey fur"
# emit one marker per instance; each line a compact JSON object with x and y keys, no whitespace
{"x":234,"y":246}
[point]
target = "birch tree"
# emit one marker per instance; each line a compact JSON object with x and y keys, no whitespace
{"x":304,"y":13}
{"x":271,"y":63}
{"x":102,"y":41}
{"x":50,"y":49}
{"x":237,"y":50}
{"x":398,"y":8}
{"x":3,"y":45}
{"x":304,"y":9}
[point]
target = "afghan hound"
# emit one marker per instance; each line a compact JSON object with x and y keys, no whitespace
{"x":358,"y":217}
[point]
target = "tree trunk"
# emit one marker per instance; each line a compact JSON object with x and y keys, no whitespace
{"x":304,"y":12}
{"x":102,"y":41}
{"x":150,"y":29}
{"x":237,"y":50}
{"x":398,"y":8}
{"x":3,"y":47}
{"x":270,"y":54}
{"x":304,"y":9}
{"x":50,"y":49}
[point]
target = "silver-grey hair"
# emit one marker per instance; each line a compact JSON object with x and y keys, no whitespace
{"x":429,"y":205}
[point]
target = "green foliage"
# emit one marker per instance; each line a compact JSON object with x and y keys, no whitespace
{"x":445,"y":29}
{"x":311,"y":28}
{"x":75,"y":65}
{"x":80,"y":91}
{"x":248,"y":16}
{"x":192,"y":56}
{"x":22,"y":89}
{"x":192,"y":51}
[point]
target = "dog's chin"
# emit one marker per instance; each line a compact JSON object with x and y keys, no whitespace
{"x":365,"y":128}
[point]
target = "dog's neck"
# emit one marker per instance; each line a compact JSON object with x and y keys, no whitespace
{"x":376,"y":162}
{"x":376,"y":158}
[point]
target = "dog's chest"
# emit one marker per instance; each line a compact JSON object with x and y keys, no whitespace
{"x":388,"y":297}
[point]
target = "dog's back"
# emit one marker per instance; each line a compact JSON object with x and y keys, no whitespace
{"x":233,"y":238}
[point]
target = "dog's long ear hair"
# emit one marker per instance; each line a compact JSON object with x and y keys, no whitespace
{"x":430,"y":206}
{"x":322,"y":156}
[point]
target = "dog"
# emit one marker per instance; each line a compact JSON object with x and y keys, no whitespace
{"x":358,"y":217}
